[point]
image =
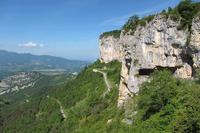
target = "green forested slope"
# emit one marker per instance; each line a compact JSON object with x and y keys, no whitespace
{"x":82,"y":100}
{"x":21,"y":105}
{"x":165,"y":104}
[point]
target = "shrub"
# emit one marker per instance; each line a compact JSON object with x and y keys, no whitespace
{"x":114,"y":33}
{"x":156,"y":94}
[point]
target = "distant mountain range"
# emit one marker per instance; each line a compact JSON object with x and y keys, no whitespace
{"x":11,"y":61}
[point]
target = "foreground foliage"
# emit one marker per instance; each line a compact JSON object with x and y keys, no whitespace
{"x":167,"y":104}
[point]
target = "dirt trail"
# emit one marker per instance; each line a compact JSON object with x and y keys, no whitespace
{"x":109,"y":87}
{"x":64,"y":116}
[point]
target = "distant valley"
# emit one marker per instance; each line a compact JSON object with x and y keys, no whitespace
{"x":25,"y":71}
{"x":11,"y":63}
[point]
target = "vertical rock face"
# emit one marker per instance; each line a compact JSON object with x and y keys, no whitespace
{"x":195,"y":35}
{"x":109,"y":49}
{"x":157,"y":45}
{"x":195,"y":40}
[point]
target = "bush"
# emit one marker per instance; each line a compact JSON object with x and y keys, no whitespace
{"x":157,"y":94}
{"x":135,"y":21}
{"x":114,"y":33}
{"x":167,"y":104}
{"x":186,"y":11}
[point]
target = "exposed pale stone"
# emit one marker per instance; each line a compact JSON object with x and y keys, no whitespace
{"x":109,"y":121}
{"x":159,"y":44}
{"x":127,"y":121}
{"x":123,"y":89}
{"x":109,"y":49}
{"x":195,"y":35}
{"x":196,"y":60}
{"x":153,"y":45}
{"x":184,"y":72}
{"x":195,"y":41}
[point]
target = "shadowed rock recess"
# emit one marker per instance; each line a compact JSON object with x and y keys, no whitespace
{"x":159,"y":44}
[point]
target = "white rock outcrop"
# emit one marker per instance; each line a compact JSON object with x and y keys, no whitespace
{"x":109,"y":49}
{"x":195,"y":41}
{"x":157,"y":45}
{"x":195,"y":35}
{"x":184,"y":72}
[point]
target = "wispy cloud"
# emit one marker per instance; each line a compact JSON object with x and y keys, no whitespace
{"x":31,"y":45}
{"x":119,"y":21}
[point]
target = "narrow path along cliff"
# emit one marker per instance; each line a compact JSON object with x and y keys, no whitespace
{"x":64,"y":116}
{"x":105,"y":80}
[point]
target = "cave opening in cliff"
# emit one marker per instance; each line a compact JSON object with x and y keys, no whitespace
{"x":187,"y":58}
{"x":171,"y":69}
{"x":147,"y":72}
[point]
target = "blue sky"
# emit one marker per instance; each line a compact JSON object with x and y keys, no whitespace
{"x":66,"y":28}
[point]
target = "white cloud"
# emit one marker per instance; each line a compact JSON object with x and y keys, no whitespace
{"x":31,"y":45}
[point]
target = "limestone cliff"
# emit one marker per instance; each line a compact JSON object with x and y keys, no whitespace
{"x":110,"y":49}
{"x":195,"y":41}
{"x":158,"y":44}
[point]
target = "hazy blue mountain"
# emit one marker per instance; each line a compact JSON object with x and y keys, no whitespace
{"x":31,"y":62}
{"x":10,"y":61}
